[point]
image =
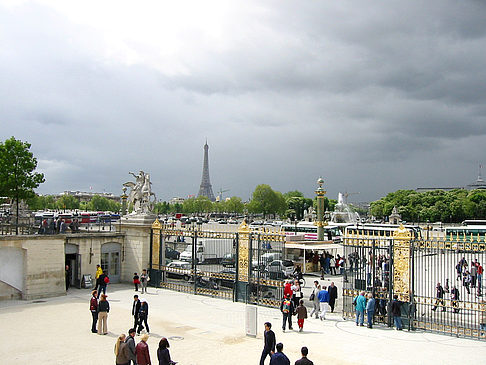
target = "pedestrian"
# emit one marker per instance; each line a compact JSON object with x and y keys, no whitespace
{"x":459,"y":270}
{"x":466,"y":281}
{"x":480,"y":278}
{"x":136,"y":281}
{"x":474,"y":273}
{"x":144,"y":279}
{"x":301,"y":315}
{"x":143,"y":316}
{"x":142,"y":351}
{"x":102,"y":282}
{"x":370,"y":309}
{"x":322,"y":263}
{"x":93,"y":308}
{"x":439,"y":294}
{"x":323,"y":302}
{"x":397,"y":313}
{"x":68,"y":277}
{"x":288,"y":288}
{"x":314,"y":299}
{"x":455,"y":299}
{"x":135,"y":310}
{"x":121,"y":351}
{"x":279,"y":358}
{"x":103,"y":310}
{"x":130,"y":341}
{"x":332,"y":265}
{"x":297,"y":294}
{"x":163,"y":354}
{"x":304,"y":360}
{"x":333,"y":294}
{"x":268,"y":343}
{"x":287,"y":309}
{"x":360,"y":306}
{"x":99,"y":271}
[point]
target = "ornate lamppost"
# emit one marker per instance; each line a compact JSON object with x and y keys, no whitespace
{"x":124,"y":198}
{"x":320,"y":222}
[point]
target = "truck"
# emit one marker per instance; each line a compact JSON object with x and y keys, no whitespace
{"x":208,"y":250}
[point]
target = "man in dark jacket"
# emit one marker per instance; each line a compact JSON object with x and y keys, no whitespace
{"x":269,"y":343}
{"x":279,"y":358}
{"x":287,"y":309}
{"x":101,"y":284}
{"x":396,"y":312}
{"x":333,"y":294}
{"x":143,"y":316}
{"x":439,"y":294}
{"x":130,"y":341}
{"x":304,"y":361}
{"x":135,"y":310}
{"x":93,"y":307}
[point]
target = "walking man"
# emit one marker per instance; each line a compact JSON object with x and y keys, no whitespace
{"x":360,"y":303}
{"x":287,"y":309}
{"x":135,"y":310}
{"x":439,"y":294}
{"x":304,"y":360}
{"x":93,"y":307}
{"x":268,"y":343}
{"x":142,"y":316}
{"x":130,"y":341}
{"x":315,"y":299}
{"x":279,"y":358}
{"x":323,"y":302}
{"x":144,"y":279}
{"x":397,"y":313}
{"x":333,"y":294}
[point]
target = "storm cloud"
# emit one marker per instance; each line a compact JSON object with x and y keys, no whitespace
{"x":373,"y":97}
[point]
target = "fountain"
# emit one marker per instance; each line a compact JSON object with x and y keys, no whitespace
{"x":342,"y":213}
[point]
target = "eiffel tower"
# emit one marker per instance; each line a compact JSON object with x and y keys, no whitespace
{"x":205,"y":189}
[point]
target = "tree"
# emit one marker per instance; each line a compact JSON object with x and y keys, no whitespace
{"x":99,"y":203}
{"x":18,"y":178}
{"x":67,"y":202}
{"x":266,"y":201}
{"x":234,"y":205}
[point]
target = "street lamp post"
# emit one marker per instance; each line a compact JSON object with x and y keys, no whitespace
{"x":320,"y":222}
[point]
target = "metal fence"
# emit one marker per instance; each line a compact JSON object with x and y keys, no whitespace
{"x":439,"y":282}
{"x":205,"y":262}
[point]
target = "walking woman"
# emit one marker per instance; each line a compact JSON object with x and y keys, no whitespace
{"x":121,"y":357}
{"x":103,"y":309}
{"x":314,"y":299}
{"x":142,"y":351}
{"x":163,"y":354}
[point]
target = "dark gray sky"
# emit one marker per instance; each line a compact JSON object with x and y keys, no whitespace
{"x":372,"y":96}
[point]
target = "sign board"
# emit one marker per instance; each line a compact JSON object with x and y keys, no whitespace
{"x":251,"y":320}
{"x":87,"y":283}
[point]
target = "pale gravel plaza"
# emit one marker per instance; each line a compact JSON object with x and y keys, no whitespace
{"x":57,"y":331}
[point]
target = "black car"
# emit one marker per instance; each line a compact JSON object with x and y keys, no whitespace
{"x":228,"y":260}
{"x":227,"y":278}
{"x":172,"y":254}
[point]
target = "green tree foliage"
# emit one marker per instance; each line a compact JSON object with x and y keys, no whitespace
{"x":438,"y":205}
{"x":267,"y":201}
{"x":67,"y":202}
{"x":100,"y":203}
{"x":41,"y":202}
{"x":18,"y":178}
{"x":234,"y":205}
{"x":296,"y":204}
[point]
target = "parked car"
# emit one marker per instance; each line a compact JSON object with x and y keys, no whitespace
{"x":280,"y":269}
{"x":179,"y":270}
{"x":172,"y":254}
{"x":228,"y":280}
{"x":229,"y":260}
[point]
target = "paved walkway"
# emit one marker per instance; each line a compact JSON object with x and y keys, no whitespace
{"x":207,"y":331}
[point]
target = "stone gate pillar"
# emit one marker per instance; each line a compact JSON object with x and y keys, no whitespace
{"x":155,"y":259}
{"x":401,"y":263}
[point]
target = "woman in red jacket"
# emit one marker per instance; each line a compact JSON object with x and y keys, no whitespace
{"x":142,"y":351}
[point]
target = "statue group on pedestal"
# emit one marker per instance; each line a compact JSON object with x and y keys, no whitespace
{"x":141,"y":196}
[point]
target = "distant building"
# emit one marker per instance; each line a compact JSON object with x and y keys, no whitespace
{"x":478,"y":184}
{"x":176,"y":200}
{"x":83,"y":196}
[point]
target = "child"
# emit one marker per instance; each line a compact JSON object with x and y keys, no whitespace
{"x":301,"y":314}
{"x":136,"y":281}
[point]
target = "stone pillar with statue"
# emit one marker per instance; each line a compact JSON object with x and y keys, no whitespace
{"x":320,"y":222}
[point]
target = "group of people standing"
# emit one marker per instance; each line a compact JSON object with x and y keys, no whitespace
{"x":128,"y":352}
{"x":470,"y":276}
{"x":366,"y":303}
{"x":274,"y":350}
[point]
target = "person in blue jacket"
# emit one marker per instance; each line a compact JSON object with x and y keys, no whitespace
{"x":360,"y":306}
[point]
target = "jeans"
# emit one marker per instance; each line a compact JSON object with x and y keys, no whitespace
{"x":101,"y":288}
{"x":140,"y":326}
{"x":287,"y":317}
{"x":95,"y":319}
{"x":264,"y":356}
{"x":315,"y":308}
{"x":370,"y":315}
{"x":398,"y":322}
{"x":360,"y":317}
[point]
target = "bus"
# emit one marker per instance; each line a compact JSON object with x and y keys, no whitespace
{"x":309,"y":231}
{"x":473,"y":233}
{"x":378,"y":231}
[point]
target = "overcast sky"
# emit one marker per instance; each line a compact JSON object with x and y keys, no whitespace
{"x":372,"y":96}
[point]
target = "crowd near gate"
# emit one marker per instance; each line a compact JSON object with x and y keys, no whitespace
{"x":222,"y":264}
{"x":439,"y":282}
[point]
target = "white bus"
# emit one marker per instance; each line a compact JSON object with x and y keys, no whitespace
{"x":378,"y":231}
{"x":309,"y":231}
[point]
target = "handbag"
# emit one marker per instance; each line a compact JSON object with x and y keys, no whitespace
{"x":312,"y":296}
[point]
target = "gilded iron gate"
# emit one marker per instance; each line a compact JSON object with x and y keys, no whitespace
{"x":432,"y":278}
{"x":230,"y":265}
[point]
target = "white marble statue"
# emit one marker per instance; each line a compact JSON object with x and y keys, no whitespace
{"x":141,"y":194}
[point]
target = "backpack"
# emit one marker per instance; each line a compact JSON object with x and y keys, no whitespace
{"x":107,"y":279}
{"x":286,"y":306}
